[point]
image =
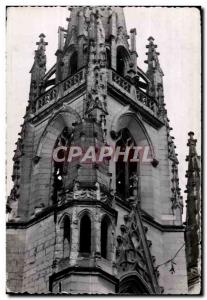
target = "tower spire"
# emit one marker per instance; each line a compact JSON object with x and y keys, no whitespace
{"x":193,"y":219}
{"x":97,"y":77}
{"x":152,"y":60}
{"x":155,"y":74}
{"x":38,"y":70}
{"x":85,"y":177}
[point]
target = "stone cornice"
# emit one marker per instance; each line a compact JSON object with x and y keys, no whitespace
{"x":50,"y":210}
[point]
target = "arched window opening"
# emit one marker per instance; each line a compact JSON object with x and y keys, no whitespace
{"x":105,"y":238}
{"x":85,"y":235}
{"x":121,"y":60}
{"x":73,"y":63}
{"x":66,"y":237}
{"x":108,"y":58}
{"x":132,"y":289}
{"x":59,"y":287}
{"x":132,"y":285}
{"x":60,"y":168}
{"x":126,"y":171}
{"x":85,"y":55}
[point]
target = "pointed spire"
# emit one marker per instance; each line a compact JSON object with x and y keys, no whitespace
{"x":155,"y":74}
{"x":193,"y":172}
{"x":81,"y":30}
{"x":193,"y":218}
{"x":112,"y":19}
{"x":152,"y":60}
{"x":97,"y":76}
{"x":38,"y":70}
{"x":40,"y":57}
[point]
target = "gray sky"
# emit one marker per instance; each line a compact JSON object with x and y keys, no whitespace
{"x":177,"y":34}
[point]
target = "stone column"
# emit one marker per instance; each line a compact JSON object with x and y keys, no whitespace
{"x":113,"y":42}
{"x":97,"y":232}
{"x":75,"y":238}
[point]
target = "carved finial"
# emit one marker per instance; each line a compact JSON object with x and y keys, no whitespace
{"x":191,"y":142}
{"x":38,"y":71}
{"x":191,"y":134}
{"x":133,"y":30}
{"x":42,"y":35}
{"x":41,"y":44}
{"x":151,"y":39}
{"x":151,"y":45}
{"x":152,"y":60}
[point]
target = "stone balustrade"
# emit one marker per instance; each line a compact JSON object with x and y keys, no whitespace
{"x":146,"y":100}
{"x":63,"y":87}
{"x":46,"y":98}
{"x":121,"y":81}
{"x":73,"y":80}
{"x":77,"y":79}
{"x":124,"y":85}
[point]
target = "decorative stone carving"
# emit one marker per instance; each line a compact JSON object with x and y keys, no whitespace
{"x":97,"y":77}
{"x":98,"y":192}
{"x":122,"y":37}
{"x":133,"y":249}
{"x":193,"y":214}
{"x":176,"y":198}
{"x":37,"y":73}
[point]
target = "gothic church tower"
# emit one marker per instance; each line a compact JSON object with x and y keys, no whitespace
{"x":89,"y":227}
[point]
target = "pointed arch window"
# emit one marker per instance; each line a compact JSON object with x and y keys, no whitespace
{"x":73,"y":65}
{"x":60,"y":168}
{"x":66,"y":237}
{"x":125,"y":170}
{"x":108,"y":58}
{"x":85,"y":235}
{"x":105,"y":238}
{"x":133,"y":285}
{"x":121,"y":59}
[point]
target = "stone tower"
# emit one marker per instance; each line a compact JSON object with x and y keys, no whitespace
{"x":107,"y":226}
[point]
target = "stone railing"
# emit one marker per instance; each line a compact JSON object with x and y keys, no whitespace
{"x":124,"y":84}
{"x":66,"y":86}
{"x":61,"y":89}
{"x":126,"y":87}
{"x":73,"y":80}
{"x":146,"y":100}
{"x":46,"y":98}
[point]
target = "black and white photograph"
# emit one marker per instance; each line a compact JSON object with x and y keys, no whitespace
{"x":104,"y":150}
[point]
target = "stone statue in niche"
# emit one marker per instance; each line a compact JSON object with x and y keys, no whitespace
{"x":76,"y":191}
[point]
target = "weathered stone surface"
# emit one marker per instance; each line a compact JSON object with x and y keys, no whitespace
{"x":94,"y":100}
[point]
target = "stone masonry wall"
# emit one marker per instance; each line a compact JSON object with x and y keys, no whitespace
{"x":39,"y":253}
{"x":15,"y":249}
